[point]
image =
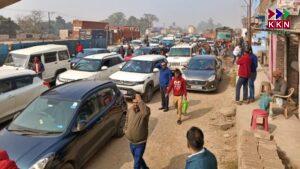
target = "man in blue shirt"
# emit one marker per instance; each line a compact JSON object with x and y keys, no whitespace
{"x":201,"y":158}
{"x":165,"y":76}
{"x":252,"y":78}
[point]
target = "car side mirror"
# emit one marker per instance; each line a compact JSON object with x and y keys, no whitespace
{"x":80,"y":126}
{"x":104,"y":68}
{"x":155,"y":70}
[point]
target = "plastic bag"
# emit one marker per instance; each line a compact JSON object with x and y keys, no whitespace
{"x":185,"y":106}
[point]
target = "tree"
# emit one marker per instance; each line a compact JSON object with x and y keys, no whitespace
{"x":32,"y":23}
{"x":133,"y":21}
{"x":117,"y":19}
{"x":150,"y":19}
{"x":8,"y":26}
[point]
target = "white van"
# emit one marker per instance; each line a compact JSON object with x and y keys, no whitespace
{"x":54,"y":57}
{"x":180,"y":55}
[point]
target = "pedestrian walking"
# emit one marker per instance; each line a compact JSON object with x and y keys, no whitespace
{"x":122,"y":51}
{"x":79,"y":47}
{"x":38,"y":66}
{"x":165,"y":76}
{"x":253,"y":74}
{"x":244,"y":71}
{"x":136,"y":130}
{"x":129,"y":50}
{"x":178,"y":86}
{"x":201,"y":157}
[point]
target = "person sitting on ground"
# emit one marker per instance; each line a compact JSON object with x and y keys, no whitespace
{"x":201,"y":158}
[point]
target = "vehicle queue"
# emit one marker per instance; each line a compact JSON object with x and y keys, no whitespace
{"x":88,"y":104}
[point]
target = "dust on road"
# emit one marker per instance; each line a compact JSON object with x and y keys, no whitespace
{"x":167,"y":147}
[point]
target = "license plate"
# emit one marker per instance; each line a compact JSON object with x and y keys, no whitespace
{"x":196,"y":87}
{"x":124,"y":91}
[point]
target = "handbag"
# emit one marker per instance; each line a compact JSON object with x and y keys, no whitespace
{"x":185,"y":106}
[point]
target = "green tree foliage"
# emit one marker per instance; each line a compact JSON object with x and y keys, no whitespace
{"x":8,"y":26}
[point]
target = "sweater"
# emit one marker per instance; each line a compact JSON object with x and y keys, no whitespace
{"x":244,"y":63}
{"x":178,"y":85}
{"x":205,"y":160}
{"x":136,"y":125}
{"x":165,"y":76}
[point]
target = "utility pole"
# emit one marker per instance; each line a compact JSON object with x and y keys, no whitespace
{"x":249,"y":13}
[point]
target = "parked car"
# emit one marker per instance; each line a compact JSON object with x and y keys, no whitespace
{"x":97,"y":67}
{"x":54,"y":57}
{"x":136,"y":43}
{"x":18,"y":87}
{"x":203,"y":73}
{"x":147,"y":51}
{"x":65,"y":126}
{"x":87,"y":52}
{"x":139,"y":75}
{"x":180,"y":55}
{"x":168,"y":42}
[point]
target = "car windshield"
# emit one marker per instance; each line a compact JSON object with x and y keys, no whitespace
{"x":201,"y":64}
{"x":89,"y":65}
{"x":142,"y":51}
{"x":138,"y":66}
{"x":154,"y":40}
{"x":180,"y":52}
{"x":16,"y":60}
{"x":45,"y":115}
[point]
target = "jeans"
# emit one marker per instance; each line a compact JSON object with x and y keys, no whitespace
{"x":251,"y":85}
{"x":137,"y":151}
{"x":241,"y":82}
{"x":234,"y":59}
{"x":164,"y":99}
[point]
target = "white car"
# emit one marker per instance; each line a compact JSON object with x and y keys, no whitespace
{"x":139,"y":75}
{"x":54,"y":57}
{"x":180,"y":55}
{"x":18,"y":87}
{"x":97,"y":67}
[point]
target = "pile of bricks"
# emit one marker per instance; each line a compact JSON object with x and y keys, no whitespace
{"x":258,"y":152}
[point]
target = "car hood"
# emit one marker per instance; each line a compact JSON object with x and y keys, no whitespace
{"x":129,"y":76}
{"x":25,"y":150}
{"x":178,"y":59}
{"x":198,"y":74}
{"x":76,"y":75}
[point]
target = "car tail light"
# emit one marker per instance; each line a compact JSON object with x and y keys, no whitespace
{"x":47,"y":84}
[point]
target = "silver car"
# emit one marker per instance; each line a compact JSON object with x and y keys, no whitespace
{"x":203,"y":73}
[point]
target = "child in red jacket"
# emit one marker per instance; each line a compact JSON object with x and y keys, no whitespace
{"x":178,"y":86}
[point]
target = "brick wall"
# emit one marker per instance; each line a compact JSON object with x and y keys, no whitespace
{"x":292,"y":56}
{"x":280,"y":53}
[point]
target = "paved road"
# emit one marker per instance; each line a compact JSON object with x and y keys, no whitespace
{"x":166,"y":147}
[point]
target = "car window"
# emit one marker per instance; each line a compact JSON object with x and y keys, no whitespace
{"x":88,"y":110}
{"x":105,"y":97}
{"x":23,"y":81}
{"x":6,"y":86}
{"x":63,"y":55}
{"x":50,"y":57}
{"x":116,"y":60}
{"x":108,"y":62}
{"x":39,"y":56}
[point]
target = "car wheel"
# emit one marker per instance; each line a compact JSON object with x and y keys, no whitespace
{"x":148,"y":94}
{"x":67,"y":166}
{"x":121,"y":125}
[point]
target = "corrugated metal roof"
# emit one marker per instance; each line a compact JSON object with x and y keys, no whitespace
{"x":4,"y":3}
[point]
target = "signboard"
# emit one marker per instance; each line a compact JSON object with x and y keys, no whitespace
{"x":224,"y":35}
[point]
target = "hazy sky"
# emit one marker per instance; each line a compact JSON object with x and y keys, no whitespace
{"x":182,"y":12}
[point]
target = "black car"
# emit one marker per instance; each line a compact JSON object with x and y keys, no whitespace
{"x":65,"y":126}
{"x":203,"y":73}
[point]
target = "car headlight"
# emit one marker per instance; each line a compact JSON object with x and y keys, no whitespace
{"x":42,"y":163}
{"x":211,"y":78}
